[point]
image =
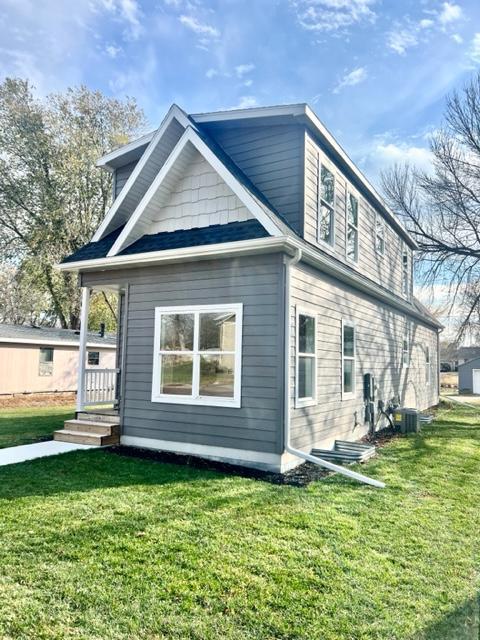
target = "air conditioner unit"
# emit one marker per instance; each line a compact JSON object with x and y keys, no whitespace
{"x":407,"y":419}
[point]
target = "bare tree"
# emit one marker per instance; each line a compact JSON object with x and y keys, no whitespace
{"x":441,"y":208}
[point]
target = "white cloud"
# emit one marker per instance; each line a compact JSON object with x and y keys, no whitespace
{"x":112,"y":51}
{"x":129,"y":12}
{"x":246,"y":102}
{"x":242,"y":69}
{"x":475,"y":49}
{"x":248,"y":83}
{"x":356,"y":76}
{"x":211,"y":73}
{"x":331,"y":15}
{"x":401,"y":39}
{"x":426,"y":23}
{"x":198,"y":27}
{"x":456,"y":37}
{"x":450,"y":13}
{"x":390,"y":153}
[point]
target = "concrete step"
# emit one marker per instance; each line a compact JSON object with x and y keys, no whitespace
{"x":88,"y":426}
{"x":84,"y":437}
{"x":109,"y":418}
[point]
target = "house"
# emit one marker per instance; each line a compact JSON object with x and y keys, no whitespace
{"x":45,"y":359}
{"x":469,"y":376}
{"x":263,"y":282}
{"x":465,"y":354}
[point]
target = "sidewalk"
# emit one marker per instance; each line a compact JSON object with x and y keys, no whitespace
{"x":12,"y":455}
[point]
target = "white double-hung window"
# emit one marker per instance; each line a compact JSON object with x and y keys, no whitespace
{"x":379,"y":235}
{"x":306,"y":365}
{"x":197,"y":355}
{"x":326,"y":204}
{"x":348,"y":360}
{"x":352,"y":228}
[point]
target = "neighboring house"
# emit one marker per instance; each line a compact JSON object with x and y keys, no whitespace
{"x":465,"y":354}
{"x":261,"y":277}
{"x":469,"y":376}
{"x":45,"y":359}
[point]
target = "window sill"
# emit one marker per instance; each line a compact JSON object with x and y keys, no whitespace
{"x":307,"y":402}
{"x":203,"y":401}
{"x":351,"y":395}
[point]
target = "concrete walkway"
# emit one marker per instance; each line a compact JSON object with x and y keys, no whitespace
{"x":12,"y":455}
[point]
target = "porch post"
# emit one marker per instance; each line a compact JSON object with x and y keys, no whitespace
{"x":82,"y":348}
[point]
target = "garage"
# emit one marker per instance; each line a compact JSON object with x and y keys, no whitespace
{"x":469,"y":377}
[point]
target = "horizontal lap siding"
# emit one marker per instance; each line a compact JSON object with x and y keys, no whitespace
{"x":379,"y":335}
{"x":122,"y":174}
{"x":272,"y":158}
{"x":386,"y":270}
{"x":254,"y":281}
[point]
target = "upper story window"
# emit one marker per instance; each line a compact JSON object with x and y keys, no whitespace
{"x":405,"y":273}
{"x":45,"y":365}
{"x":306,"y":365}
{"x":406,"y":345}
{"x":326,"y":204}
{"x":348,"y":360}
{"x":197,"y":355}
{"x":352,"y":227}
{"x":379,"y":235}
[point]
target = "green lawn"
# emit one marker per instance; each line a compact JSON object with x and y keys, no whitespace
{"x":95,"y":545}
{"x":31,"y":424}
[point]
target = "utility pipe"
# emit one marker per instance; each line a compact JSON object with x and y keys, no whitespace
{"x":288,"y":447}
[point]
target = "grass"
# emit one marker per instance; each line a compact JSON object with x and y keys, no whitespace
{"x":30,"y":424}
{"x":99,"y":546}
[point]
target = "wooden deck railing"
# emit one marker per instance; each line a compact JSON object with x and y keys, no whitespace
{"x":100,"y":386}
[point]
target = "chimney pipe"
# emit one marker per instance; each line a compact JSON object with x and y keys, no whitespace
{"x":102,"y":330}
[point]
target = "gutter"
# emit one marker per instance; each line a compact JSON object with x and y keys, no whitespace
{"x":287,"y":411}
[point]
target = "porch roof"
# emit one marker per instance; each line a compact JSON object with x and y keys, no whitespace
{"x":214,"y":234}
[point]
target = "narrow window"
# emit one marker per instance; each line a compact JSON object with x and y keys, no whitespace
{"x":348,"y":360}
{"x":45,"y":365}
{"x":428,"y":373}
{"x":406,"y":346}
{"x":352,"y":228}
{"x":379,"y":235}
{"x":405,"y":273}
{"x":93,"y":357}
{"x":306,"y":359}
{"x":197,"y":356}
{"x":326,"y":204}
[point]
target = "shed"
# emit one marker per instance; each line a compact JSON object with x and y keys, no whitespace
{"x":469,"y":376}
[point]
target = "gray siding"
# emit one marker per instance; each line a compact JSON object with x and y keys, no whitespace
{"x":272,"y":158}
{"x":257,"y":282}
{"x":122,"y":174}
{"x":385,"y":270}
{"x":379,"y":335}
{"x":465,"y":375}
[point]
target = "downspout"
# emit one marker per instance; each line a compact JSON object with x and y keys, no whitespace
{"x":288,"y":447}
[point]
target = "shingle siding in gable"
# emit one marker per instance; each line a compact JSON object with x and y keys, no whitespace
{"x":272,"y":158}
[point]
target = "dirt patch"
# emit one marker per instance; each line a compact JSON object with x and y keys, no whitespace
{"x":301,"y":476}
{"x":449,"y":379}
{"x":37,"y":400}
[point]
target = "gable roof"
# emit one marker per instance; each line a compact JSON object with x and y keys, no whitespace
{"x":26,"y":334}
{"x":214,"y":234}
{"x":259,"y":207}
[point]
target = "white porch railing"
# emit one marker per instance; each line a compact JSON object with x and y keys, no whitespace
{"x":100,"y":386}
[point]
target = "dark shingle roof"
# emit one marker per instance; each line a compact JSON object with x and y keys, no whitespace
{"x":215,"y":234}
{"x":45,"y":334}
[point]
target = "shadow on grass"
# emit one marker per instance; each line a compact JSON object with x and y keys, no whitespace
{"x":461,"y":624}
{"x":26,"y":426}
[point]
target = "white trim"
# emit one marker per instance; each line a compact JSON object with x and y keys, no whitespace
{"x":254,"y":112}
{"x":352,"y":192}
{"x":54,"y":343}
{"x":82,"y":348}
{"x":307,"y":401}
{"x":379,"y":222}
{"x":321,"y":162}
{"x":428,"y":365}
{"x":124,"y":149}
{"x":173,"y":113}
{"x":195,"y":398}
{"x":406,"y":338}
{"x":192,"y":137}
{"x":271,"y":461}
{"x":406,"y":272}
{"x":349,"y":395}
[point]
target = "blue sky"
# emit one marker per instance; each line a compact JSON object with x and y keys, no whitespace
{"x":376,"y":72}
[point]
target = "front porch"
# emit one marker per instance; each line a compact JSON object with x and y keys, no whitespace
{"x":97,"y":415}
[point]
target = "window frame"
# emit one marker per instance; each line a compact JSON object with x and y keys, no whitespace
{"x":321,"y":162}
{"x":380,"y":222}
{"x":406,"y":272}
{"x":195,"y":398}
{"x":428,"y":366}
{"x":349,"y":395}
{"x":355,"y":194}
{"x":93,"y":364}
{"x":49,"y":373}
{"x":307,"y":401}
